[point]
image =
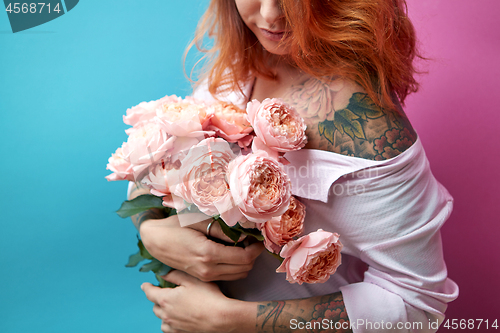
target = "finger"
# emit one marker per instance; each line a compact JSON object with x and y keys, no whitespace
{"x":230,"y":269}
{"x":237,"y":255}
{"x":212,"y":228}
{"x":179,"y":278}
{"x":198,"y":226}
{"x":157,"y":310}
{"x":255,"y":249}
{"x":216,"y":231}
{"x":152,"y":292}
{"x":232,"y":277}
{"x":165,"y":328}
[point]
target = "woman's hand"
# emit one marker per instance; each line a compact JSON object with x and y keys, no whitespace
{"x":196,"y":306}
{"x":188,"y":249}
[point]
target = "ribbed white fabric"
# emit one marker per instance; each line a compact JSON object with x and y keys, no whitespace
{"x":388,"y":214}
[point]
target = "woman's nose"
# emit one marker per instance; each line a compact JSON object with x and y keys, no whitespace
{"x":271,"y":11}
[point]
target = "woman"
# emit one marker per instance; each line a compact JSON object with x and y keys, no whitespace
{"x":345,"y":66}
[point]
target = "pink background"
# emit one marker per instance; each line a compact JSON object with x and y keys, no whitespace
{"x":457,"y":116}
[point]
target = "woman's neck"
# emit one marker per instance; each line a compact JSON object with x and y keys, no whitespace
{"x":283,"y":67}
{"x":286,"y":75}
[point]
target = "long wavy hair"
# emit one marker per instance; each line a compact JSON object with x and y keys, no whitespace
{"x":371,"y":42}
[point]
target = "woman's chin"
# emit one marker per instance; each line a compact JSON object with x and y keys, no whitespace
{"x":276,"y":48}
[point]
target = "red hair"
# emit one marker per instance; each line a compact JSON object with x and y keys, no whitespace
{"x":371,"y":42}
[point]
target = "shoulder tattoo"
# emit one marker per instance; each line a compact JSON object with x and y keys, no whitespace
{"x":358,"y":127}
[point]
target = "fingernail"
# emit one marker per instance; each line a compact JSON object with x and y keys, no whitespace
{"x":142,"y":287}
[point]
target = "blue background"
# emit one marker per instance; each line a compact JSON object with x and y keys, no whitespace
{"x":64,"y":87}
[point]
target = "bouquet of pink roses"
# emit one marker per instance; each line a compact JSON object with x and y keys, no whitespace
{"x":213,"y":158}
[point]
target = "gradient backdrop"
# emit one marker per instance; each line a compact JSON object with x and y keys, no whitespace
{"x":64,"y":86}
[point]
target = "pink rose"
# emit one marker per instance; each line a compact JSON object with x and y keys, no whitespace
{"x":278,"y":125}
{"x":146,"y":111}
{"x":183,"y":119}
{"x":282,"y":229}
{"x":147,"y":144}
{"x":122,"y":169}
{"x":244,"y":223}
{"x":230,"y":123}
{"x":260,"y":186}
{"x":311,"y":258}
{"x":157,"y":181}
{"x":202,"y":178}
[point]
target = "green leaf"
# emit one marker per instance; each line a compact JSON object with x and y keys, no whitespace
{"x":364,"y":107}
{"x":164,"y":270}
{"x":327,"y":130}
{"x":139,"y":204}
{"x":170,"y":211}
{"x":134,"y":259}
{"x":153,"y":266}
{"x":144,"y":253}
{"x":347,"y":122}
{"x":232,"y":233}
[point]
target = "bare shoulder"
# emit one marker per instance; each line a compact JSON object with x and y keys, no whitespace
{"x":343,"y":119}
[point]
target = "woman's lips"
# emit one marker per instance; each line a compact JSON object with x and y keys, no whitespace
{"x":274,"y":36}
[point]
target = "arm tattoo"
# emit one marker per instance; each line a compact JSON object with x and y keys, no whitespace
{"x":308,"y":314}
{"x":344,"y":120}
{"x":271,"y":310}
{"x":151,"y":214}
